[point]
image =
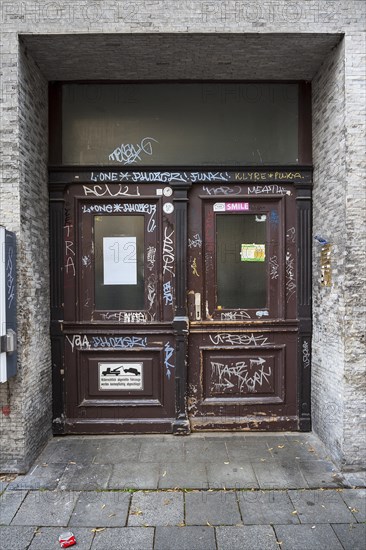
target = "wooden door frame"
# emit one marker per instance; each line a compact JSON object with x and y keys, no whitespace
{"x":181,"y":179}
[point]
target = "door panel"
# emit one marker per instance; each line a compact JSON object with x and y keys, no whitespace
{"x":242,"y":368}
{"x":119,"y":350}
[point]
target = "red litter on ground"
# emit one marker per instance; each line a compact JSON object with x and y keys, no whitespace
{"x":67,"y":539}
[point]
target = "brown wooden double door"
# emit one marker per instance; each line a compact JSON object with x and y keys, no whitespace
{"x":177,"y":304}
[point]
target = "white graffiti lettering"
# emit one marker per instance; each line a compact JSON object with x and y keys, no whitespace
{"x":150,"y":257}
{"x":305,"y":354}
{"x":290,"y":276}
{"x":99,"y":208}
{"x":234,"y":315}
{"x":118,"y":342}
{"x":195,"y":242}
{"x":168,"y":252}
{"x":291,"y":233}
{"x":160,"y":177}
{"x":116,"y":191}
{"x":125,"y":316}
{"x":100,"y":342}
{"x":245,"y":375}
{"x":209,"y":176}
{"x":86,"y":261}
{"x":78,"y":341}
{"x":69,"y":252}
{"x":268,"y":189}
{"x":273,"y":267}
{"x":233,"y":190}
{"x":128,"y":153}
{"x":168,"y":293}
{"x":137,"y":207}
{"x":168,"y":353}
{"x":151,"y":293}
{"x":239,"y":339}
{"x":10,"y":278}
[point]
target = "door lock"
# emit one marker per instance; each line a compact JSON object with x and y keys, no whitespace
{"x":197,"y":305}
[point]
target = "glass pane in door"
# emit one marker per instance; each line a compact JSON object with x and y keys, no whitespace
{"x":119,"y":262}
{"x":241,"y":261}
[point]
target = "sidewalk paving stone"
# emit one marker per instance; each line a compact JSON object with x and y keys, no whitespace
{"x":266,"y":507}
{"x":46,"y":538}
{"x":134,"y":476}
{"x":307,"y":537}
{"x":46,"y":508}
{"x":115,"y":451}
{"x":291,"y":451}
{"x":3,"y":486}
{"x":184,"y":538}
{"x":50,"y":450}
{"x":40,"y":476}
{"x":171,"y":451}
{"x":269,"y":439}
{"x":10,"y":502}
{"x":129,"y":538}
{"x":319,"y":473}
{"x":16,"y":538}
{"x":356,"y":502}
{"x":183,"y":476}
{"x":290,"y":482}
{"x":317,"y":506}
{"x":260,"y":537}
{"x":203,"y":450}
{"x":311,"y":441}
{"x":215,"y":508}
{"x":85,"y":477}
{"x":352,"y":536}
{"x":354,"y":479}
{"x":234,"y":475}
{"x":274,"y":475}
{"x":101,"y":509}
{"x":242,"y":450}
{"x":156,"y":508}
{"x":74,"y":449}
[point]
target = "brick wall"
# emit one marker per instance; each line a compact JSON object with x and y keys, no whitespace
{"x":329,"y":209}
{"x":338,"y":367}
{"x":24,"y":207}
{"x":355,"y":251}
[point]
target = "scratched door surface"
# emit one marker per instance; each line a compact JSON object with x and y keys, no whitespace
{"x":118,"y":341}
{"x":242,"y":290}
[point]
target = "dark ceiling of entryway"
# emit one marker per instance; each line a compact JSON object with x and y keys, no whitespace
{"x":180,"y":56}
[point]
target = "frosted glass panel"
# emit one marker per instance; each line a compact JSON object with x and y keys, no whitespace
{"x":180,"y":124}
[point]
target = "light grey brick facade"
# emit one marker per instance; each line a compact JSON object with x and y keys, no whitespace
{"x":322,"y":41}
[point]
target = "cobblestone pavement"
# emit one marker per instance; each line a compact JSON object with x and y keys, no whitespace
{"x":216,"y":491}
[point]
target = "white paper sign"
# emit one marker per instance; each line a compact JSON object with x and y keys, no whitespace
{"x":120,"y":376}
{"x":119,"y":261}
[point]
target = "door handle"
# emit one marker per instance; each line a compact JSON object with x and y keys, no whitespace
{"x":197,"y":305}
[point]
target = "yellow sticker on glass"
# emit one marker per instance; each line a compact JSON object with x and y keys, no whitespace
{"x":253,"y":252}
